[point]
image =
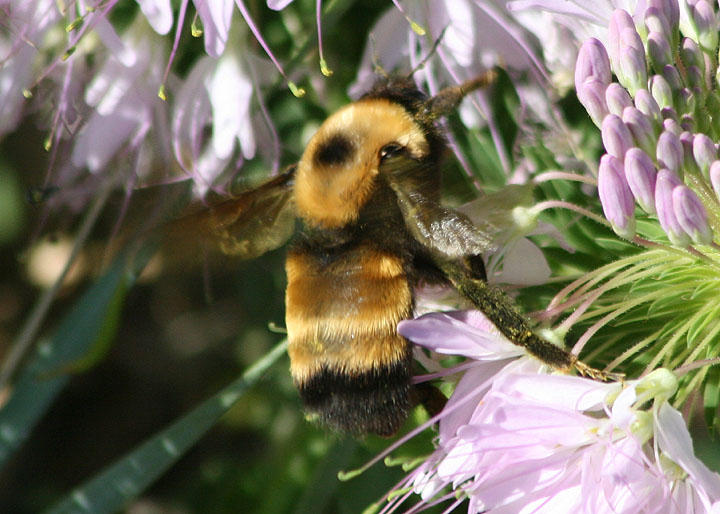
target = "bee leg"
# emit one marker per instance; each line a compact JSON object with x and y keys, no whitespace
{"x":500,"y":310}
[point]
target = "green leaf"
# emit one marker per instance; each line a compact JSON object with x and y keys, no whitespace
{"x":124,"y":480}
{"x":78,"y":341}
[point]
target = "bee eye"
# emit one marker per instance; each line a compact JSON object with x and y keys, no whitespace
{"x":391,"y":150}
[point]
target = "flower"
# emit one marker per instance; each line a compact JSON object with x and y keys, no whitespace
{"x":513,"y":438}
{"x":218,"y":93}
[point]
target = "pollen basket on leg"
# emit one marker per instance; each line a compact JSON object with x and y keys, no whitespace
{"x":337,"y":172}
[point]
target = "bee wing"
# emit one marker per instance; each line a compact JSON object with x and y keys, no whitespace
{"x":440,"y":229}
{"x":248,"y":225}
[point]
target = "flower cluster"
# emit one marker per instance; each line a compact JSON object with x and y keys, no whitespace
{"x":513,"y":438}
{"x":659,"y":120}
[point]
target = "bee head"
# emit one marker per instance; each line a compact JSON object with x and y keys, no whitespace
{"x":338,"y":170}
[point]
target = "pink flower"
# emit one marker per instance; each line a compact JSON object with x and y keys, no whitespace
{"x":514,"y":439}
{"x":25,"y":25}
{"x":123,"y":94}
{"x":218,"y":93}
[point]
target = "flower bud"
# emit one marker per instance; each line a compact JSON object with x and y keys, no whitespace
{"x":591,"y":94}
{"x":616,"y":197}
{"x":627,"y":54}
{"x":669,"y":9}
{"x":669,"y":152}
{"x":672,"y":75}
{"x":619,"y":21}
{"x":668,"y":113}
{"x":648,"y":106}
{"x":687,"y":123}
{"x":656,"y":21}
{"x":640,"y":127}
{"x":640,"y":174}
{"x":661,"y":91}
{"x":715,"y":177}
{"x":686,"y":140}
{"x":670,"y":125}
{"x":631,"y":68}
{"x":704,"y":152}
{"x":616,"y":136}
{"x":691,"y":54}
{"x":691,"y":215}
{"x":706,"y":24}
{"x":658,"y":48}
{"x":685,"y":101}
{"x":666,"y":182}
{"x":592,"y":62}
{"x":617,"y":98}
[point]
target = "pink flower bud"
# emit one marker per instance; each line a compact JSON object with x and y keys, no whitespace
{"x":591,"y":94}
{"x":691,"y":54}
{"x":656,"y":21}
{"x":703,"y":150}
{"x":669,"y":152}
{"x":647,"y":105}
{"x":640,"y":128}
{"x":640,"y":174}
{"x":616,"y":136}
{"x":691,"y":215}
{"x":617,"y":98}
{"x":592,"y":62}
{"x":616,"y":197}
{"x":659,"y":52}
{"x":715,"y":177}
{"x":627,"y":53}
{"x":666,"y":182}
{"x":661,"y":91}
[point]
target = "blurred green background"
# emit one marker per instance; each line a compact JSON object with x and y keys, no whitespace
{"x":184,"y":334}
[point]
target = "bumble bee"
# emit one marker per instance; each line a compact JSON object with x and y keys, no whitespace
{"x":367,"y":192}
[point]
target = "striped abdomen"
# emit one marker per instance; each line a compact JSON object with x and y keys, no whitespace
{"x":351,"y":367}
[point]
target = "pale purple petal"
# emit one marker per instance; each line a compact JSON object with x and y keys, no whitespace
{"x":216,"y":16}
{"x":673,"y":439}
{"x":523,"y":263}
{"x":122,"y":52}
{"x":467,"y":333}
{"x":230,"y":91}
{"x":278,"y":5}
{"x":158,"y":14}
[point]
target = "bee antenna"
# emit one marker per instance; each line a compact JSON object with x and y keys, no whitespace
{"x":432,"y":52}
{"x":448,"y":99}
{"x":377,"y":67}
